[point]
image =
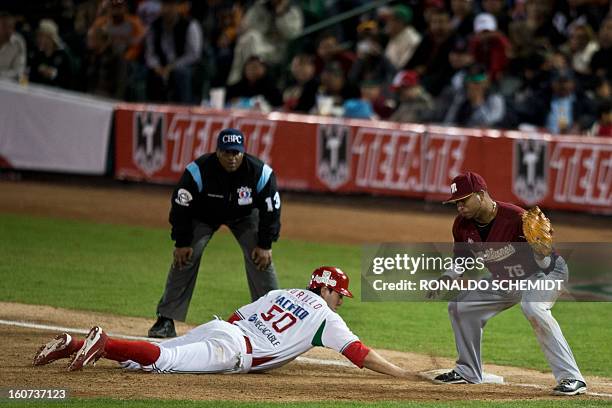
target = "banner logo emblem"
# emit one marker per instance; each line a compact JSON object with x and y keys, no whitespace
{"x":333,"y":155}
{"x":149,"y":152}
{"x":530,"y":170}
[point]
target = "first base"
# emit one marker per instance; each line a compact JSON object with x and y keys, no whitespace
{"x":487,"y":378}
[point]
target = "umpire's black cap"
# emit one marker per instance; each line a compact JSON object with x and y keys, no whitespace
{"x":230,"y":139}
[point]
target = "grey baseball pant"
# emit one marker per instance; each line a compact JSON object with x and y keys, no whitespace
{"x":471,"y":310}
{"x":180,"y":284}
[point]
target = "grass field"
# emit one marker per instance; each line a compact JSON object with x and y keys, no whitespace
{"x":122,"y":269}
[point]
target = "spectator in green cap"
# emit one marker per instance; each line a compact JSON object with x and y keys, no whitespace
{"x":477,"y":106}
{"x":403,"y":13}
{"x":403,"y":38}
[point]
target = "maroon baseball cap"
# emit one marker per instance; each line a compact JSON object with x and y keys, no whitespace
{"x":465,"y":185}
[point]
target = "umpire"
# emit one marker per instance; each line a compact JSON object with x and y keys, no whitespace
{"x":228,"y":187}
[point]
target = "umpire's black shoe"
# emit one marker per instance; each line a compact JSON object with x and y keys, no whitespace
{"x":570,"y":386}
{"x":452,"y":377}
{"x":163,"y":328}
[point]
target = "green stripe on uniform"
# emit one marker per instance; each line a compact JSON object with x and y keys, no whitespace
{"x":317,"y":340}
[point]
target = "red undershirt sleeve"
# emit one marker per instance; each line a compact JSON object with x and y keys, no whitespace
{"x":356,"y":352}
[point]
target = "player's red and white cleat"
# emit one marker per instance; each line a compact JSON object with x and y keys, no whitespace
{"x":57,"y":348}
{"x":92,"y":350}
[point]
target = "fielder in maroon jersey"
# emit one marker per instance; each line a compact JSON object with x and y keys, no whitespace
{"x":495,"y":227}
{"x":500,"y":225}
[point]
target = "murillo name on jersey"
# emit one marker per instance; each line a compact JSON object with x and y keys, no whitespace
{"x":307,"y":297}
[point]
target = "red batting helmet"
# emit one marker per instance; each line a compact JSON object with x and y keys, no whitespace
{"x":330,"y":277}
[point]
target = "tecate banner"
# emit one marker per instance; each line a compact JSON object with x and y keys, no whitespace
{"x":320,"y":154}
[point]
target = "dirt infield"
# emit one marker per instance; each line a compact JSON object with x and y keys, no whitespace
{"x":299,"y":380}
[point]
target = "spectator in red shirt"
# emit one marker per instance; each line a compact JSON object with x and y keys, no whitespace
{"x":489,"y":47}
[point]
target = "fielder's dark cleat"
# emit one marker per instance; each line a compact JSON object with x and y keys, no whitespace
{"x":452,"y":377}
{"x":570,"y":386}
{"x":163,"y":328}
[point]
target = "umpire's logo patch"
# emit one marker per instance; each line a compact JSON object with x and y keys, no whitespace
{"x":244,"y":196}
{"x":149,"y":146}
{"x":530,"y":170}
{"x":183,"y":197}
{"x":333,"y":155}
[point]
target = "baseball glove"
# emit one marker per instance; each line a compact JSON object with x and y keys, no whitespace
{"x":538,"y":231}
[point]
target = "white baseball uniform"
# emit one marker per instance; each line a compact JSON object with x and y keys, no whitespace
{"x":271,"y":332}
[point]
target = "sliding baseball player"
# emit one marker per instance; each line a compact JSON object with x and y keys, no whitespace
{"x":263,"y":335}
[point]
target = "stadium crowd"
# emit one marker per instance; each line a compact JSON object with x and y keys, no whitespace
{"x":526,"y":64}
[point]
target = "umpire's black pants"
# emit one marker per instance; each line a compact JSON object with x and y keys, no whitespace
{"x":180,"y":284}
